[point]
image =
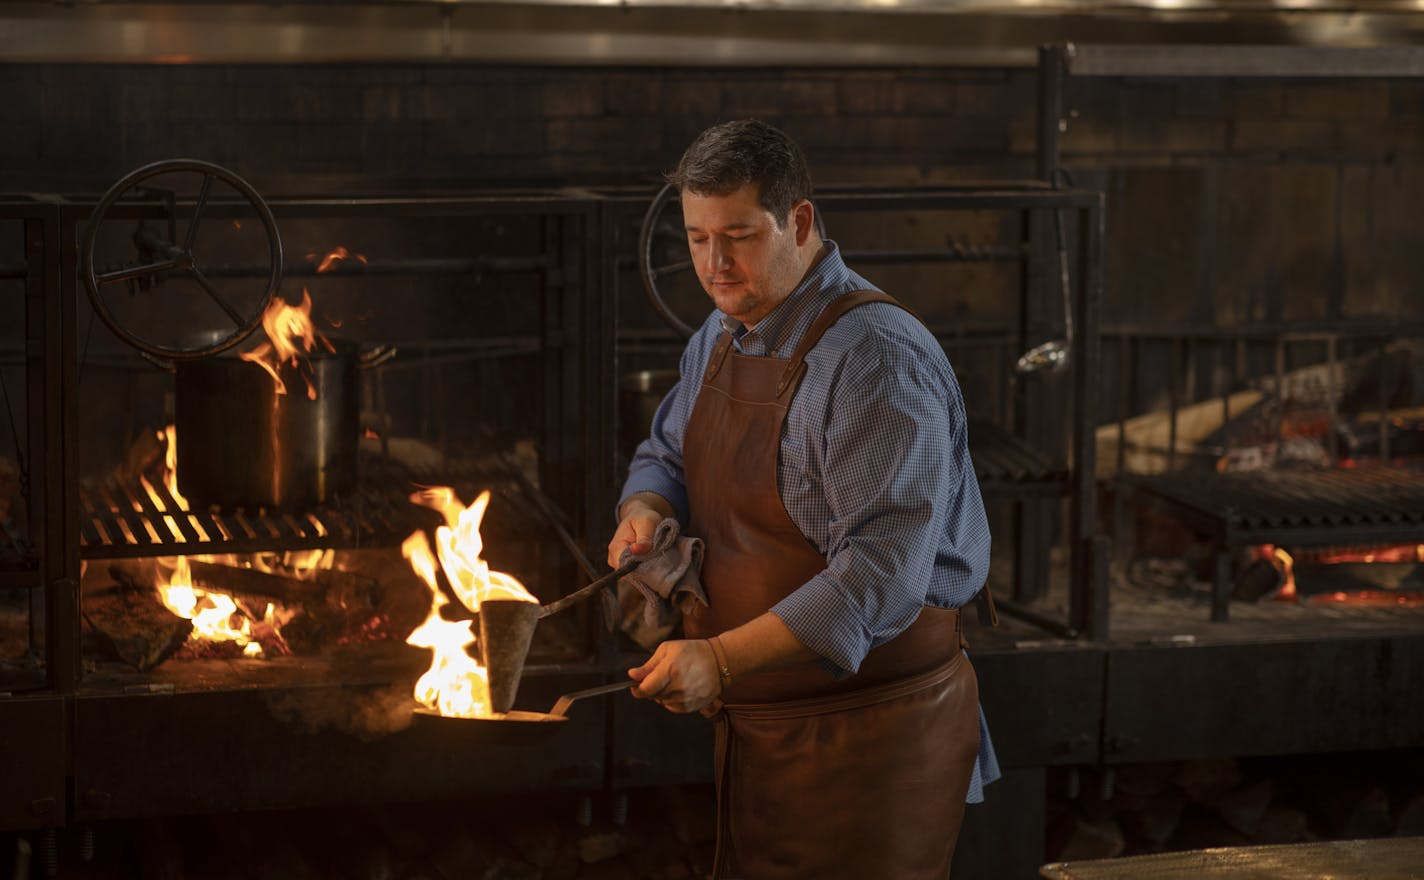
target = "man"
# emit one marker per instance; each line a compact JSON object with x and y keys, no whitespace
{"x":816,"y":443}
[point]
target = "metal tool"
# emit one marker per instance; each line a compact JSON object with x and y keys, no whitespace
{"x":507,"y":626}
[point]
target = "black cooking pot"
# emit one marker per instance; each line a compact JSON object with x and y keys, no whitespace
{"x":242,"y":444}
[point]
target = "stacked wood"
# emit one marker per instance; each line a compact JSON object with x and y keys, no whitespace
{"x":1180,"y":805}
{"x":1282,"y":824}
{"x":1409,"y":821}
{"x":1356,"y":811}
{"x":1077,"y":837}
{"x":1244,"y":808}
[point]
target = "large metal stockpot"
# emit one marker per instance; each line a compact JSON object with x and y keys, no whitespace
{"x":243,"y":444}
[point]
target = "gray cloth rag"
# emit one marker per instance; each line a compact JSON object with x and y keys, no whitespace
{"x":667,"y":575}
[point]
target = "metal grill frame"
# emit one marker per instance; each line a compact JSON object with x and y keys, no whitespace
{"x":66,"y":729}
{"x":1292,"y":509}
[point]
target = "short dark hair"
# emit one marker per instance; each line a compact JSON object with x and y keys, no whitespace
{"x":730,"y":155}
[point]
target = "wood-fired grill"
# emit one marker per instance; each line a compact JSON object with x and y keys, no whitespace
{"x":569,"y":274}
{"x":123,"y":519}
{"x":1288,"y":438}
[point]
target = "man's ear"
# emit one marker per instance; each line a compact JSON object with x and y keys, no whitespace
{"x":803,"y":214}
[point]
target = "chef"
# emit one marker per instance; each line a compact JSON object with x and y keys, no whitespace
{"x":816,"y":444}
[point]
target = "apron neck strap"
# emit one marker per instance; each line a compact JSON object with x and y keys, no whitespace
{"x":796,"y":367}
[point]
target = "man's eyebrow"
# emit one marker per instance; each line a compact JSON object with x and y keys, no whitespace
{"x":738,"y":226}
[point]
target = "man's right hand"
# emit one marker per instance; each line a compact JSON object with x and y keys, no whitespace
{"x":639,"y":518}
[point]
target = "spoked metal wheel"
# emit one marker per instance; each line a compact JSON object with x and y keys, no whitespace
{"x":161,"y":259}
{"x":659,"y":235}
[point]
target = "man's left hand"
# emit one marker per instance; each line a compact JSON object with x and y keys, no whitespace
{"x":681,"y":676}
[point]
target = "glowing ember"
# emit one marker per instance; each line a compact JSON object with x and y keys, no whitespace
{"x":1376,"y":598}
{"x":455,"y":684}
{"x":1384,"y":553}
{"x":1285,"y":563}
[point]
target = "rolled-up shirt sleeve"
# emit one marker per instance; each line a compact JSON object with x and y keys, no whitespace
{"x":895,"y":465}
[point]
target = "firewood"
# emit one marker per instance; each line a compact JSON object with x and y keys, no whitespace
{"x":1201,"y":828}
{"x":1355,"y":811}
{"x":1244,"y":808}
{"x":1260,"y":579}
{"x":1145,"y":780}
{"x":1283,"y":825}
{"x":134,"y":627}
{"x":1206,"y":780}
{"x":250,"y":582}
{"x":1409,"y":821}
{"x":1078,"y":837}
{"x":1156,"y":820}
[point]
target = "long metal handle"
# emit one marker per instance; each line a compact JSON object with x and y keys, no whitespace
{"x":563,"y":703}
{"x":584,"y":592}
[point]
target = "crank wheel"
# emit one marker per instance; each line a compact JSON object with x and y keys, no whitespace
{"x":655,"y":225}
{"x":163,"y":256}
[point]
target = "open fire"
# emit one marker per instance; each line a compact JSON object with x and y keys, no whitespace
{"x":456,"y":684}
{"x":291,"y":333}
{"x":1285,"y":565}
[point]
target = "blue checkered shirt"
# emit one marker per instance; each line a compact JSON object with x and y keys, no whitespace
{"x":873,"y":468}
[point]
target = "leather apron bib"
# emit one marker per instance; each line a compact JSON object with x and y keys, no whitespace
{"x":862,"y":777}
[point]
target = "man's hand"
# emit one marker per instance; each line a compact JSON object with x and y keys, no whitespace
{"x":638,"y":519}
{"x":681,"y":676}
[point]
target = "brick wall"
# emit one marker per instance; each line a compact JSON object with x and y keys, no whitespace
{"x":1229,"y":200}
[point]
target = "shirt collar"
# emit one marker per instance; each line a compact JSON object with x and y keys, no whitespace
{"x":773,"y":332}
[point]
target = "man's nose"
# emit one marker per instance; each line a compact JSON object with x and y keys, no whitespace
{"x":717,"y":257}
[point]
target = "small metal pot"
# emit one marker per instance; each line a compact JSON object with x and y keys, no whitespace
{"x":639,"y":395}
{"x":241,"y":444}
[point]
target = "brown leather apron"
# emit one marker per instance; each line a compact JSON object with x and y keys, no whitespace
{"x":862,"y":777}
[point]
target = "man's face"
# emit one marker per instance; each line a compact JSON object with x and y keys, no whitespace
{"x":747,"y":263}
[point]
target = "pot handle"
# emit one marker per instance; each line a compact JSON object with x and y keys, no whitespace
{"x":376,"y":356}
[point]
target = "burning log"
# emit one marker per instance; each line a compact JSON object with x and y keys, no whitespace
{"x":323,"y":585}
{"x":132,"y":625}
{"x":252,"y":584}
{"x":333,"y":604}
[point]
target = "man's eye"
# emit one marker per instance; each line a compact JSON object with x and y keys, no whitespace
{"x":698,"y":240}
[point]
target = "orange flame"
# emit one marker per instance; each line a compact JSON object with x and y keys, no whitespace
{"x":1287,"y":565}
{"x":1385,"y":553}
{"x":169,"y":437}
{"x":1396,"y":553}
{"x":211,"y":613}
{"x":219,"y":617}
{"x":330,"y":260}
{"x":291,"y":335}
{"x":456,"y":684}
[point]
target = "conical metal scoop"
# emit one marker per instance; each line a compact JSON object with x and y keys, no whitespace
{"x":507,"y":627}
